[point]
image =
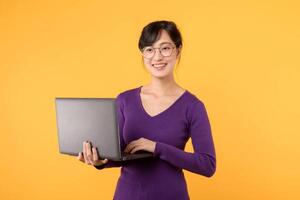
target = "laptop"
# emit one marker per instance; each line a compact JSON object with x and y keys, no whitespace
{"x":91,"y":119}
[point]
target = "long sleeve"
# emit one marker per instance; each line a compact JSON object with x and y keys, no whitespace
{"x":203,"y":160}
{"x":121,"y":120}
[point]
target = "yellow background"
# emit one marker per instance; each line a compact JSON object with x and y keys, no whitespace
{"x":241,"y":58}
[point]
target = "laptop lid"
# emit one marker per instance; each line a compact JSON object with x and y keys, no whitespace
{"x":91,"y":119}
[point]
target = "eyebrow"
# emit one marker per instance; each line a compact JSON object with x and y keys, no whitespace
{"x":165,"y":43}
{"x":160,"y":44}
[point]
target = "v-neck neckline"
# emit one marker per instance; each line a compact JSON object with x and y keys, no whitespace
{"x":162,"y":112}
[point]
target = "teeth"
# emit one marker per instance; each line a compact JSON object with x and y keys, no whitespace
{"x":159,"y":65}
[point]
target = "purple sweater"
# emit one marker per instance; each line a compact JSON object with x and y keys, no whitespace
{"x":161,"y":177}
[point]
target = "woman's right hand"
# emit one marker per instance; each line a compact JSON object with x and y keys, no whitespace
{"x":90,"y":155}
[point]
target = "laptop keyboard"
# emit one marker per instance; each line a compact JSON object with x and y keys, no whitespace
{"x":126,"y":154}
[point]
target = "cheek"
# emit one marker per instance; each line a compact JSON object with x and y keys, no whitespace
{"x":147,"y":64}
{"x":172,"y":61}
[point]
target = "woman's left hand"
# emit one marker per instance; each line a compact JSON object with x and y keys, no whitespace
{"x":140,"y":144}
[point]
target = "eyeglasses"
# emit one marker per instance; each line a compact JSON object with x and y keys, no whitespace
{"x":165,"y":50}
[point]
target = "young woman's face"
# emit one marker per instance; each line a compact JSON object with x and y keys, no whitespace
{"x":160,"y":58}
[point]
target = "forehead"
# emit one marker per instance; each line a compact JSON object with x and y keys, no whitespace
{"x":164,"y":38}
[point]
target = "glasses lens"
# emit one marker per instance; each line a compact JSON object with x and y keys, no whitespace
{"x":148,"y":52}
{"x":166,"y":50}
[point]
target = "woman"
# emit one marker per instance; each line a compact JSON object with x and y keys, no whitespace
{"x":160,"y":118}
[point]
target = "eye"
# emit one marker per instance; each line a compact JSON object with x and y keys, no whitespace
{"x":148,"y":50}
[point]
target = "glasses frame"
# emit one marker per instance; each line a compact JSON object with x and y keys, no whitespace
{"x":173,"y":47}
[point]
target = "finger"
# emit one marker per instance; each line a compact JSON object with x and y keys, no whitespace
{"x":135,"y":143}
{"x":130,"y":146}
{"x":81,"y":158}
{"x":89,"y":153}
{"x":105,"y":161}
{"x":127,"y":148}
{"x":95,"y":154}
{"x":136,"y":148}
{"x":96,"y":157}
{"x":101,"y":162}
{"x":84,"y":153}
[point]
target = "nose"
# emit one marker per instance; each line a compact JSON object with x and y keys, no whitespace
{"x":157,"y":55}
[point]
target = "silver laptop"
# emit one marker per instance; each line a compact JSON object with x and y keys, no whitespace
{"x":91,"y":119}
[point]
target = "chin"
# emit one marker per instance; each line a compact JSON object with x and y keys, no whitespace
{"x":160,"y":75}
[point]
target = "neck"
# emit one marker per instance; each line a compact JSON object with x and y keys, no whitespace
{"x":163,"y":86}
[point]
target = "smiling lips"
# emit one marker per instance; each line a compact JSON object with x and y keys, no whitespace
{"x":159,"y":65}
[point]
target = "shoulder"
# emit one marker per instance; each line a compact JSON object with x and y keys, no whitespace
{"x":193,"y":99}
{"x":195,"y":106}
{"x":127,"y":94}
